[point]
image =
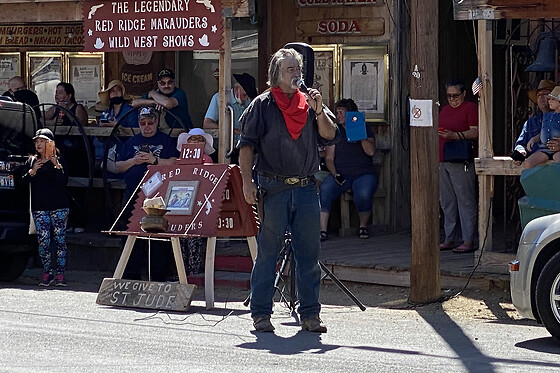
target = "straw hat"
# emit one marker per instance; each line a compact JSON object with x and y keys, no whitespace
{"x":208,"y":147}
{"x":544,"y":84}
{"x":555,"y":94}
{"x":104,"y":95}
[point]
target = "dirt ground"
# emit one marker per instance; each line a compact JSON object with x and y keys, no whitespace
{"x":469,"y":304}
{"x":478,"y":304}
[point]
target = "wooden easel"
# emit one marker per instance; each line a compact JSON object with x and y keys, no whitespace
{"x":219,"y":210}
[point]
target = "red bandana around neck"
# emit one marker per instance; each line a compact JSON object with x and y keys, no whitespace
{"x":294,"y":110}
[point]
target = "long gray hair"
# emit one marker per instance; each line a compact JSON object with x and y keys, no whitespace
{"x":276,"y":62}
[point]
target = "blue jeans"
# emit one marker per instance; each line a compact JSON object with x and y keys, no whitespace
{"x":296,"y":210}
{"x":362,"y":186}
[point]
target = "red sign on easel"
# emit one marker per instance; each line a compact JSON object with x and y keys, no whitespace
{"x":202,"y":199}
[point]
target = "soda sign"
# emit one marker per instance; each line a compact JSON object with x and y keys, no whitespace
{"x":370,"y":26}
{"x":337,"y":26}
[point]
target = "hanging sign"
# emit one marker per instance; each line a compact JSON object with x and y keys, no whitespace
{"x":43,"y":35}
{"x":373,"y":26}
{"x":155,"y":25}
{"x":421,"y":113}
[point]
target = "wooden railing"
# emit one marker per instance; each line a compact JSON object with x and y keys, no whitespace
{"x":497,"y":166}
{"x":83,"y":182}
{"x":123,"y":131}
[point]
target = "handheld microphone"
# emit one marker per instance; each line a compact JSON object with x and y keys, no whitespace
{"x":301,"y":85}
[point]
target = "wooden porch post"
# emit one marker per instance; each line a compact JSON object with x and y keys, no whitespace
{"x":225,"y":88}
{"x":424,"y":271}
{"x":485,"y":115}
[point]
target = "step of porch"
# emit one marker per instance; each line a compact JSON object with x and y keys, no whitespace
{"x":229,"y":271}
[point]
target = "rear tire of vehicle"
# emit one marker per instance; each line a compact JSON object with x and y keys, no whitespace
{"x":12,"y":265}
{"x":548,"y":296}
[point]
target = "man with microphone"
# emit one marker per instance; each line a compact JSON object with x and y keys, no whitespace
{"x":283,"y":127}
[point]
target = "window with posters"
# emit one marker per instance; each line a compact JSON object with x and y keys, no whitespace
{"x":85,"y":73}
{"x":326,"y":71}
{"x":9,"y":67}
{"x":44,"y":73}
{"x":365,"y":79}
{"x":357,"y":72}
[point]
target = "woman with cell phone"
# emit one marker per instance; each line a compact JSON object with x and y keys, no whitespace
{"x":350,"y":165}
{"x":49,"y":205}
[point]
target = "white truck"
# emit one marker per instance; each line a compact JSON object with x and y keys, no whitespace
{"x":535,"y":274}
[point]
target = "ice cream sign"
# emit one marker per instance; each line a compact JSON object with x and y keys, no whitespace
{"x":156,"y":25}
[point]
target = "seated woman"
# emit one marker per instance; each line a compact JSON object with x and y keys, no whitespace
{"x":193,"y":249}
{"x":118,"y":106}
{"x":351,"y":167}
{"x":118,"y":111}
{"x":197,"y":136}
{"x":65,"y":97}
{"x":68,"y":112}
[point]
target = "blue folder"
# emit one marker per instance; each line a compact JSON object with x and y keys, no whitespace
{"x":355,"y":126}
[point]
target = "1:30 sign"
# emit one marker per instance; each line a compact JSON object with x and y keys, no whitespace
{"x":228,"y":220}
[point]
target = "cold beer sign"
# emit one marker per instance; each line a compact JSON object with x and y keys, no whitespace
{"x":155,"y":25}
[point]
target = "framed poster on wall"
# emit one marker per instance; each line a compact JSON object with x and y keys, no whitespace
{"x":365,"y":79}
{"x":85,"y":72}
{"x":326,"y":73}
{"x":9,"y":67}
{"x":44,"y":73}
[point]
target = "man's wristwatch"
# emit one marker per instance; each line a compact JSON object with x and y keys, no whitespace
{"x":156,"y":161}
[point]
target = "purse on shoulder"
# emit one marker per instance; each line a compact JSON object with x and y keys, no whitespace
{"x":458,"y":151}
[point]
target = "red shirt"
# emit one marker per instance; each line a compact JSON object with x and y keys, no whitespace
{"x":457,"y":119}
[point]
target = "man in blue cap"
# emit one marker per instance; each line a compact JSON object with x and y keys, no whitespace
{"x":170,"y":98}
{"x":149,"y":147}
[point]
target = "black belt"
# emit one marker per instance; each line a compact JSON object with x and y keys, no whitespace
{"x":288,"y":180}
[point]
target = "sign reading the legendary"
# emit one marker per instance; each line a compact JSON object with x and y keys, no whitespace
{"x":156,"y":25}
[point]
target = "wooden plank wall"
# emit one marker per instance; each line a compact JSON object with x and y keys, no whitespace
{"x":114,"y":62}
{"x":285,"y":22}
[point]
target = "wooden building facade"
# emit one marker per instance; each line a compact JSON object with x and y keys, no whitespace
{"x":359,"y":46}
{"x":508,"y":34}
{"x":42,"y":38}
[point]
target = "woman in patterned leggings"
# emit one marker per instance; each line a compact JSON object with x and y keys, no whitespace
{"x":49,"y":204}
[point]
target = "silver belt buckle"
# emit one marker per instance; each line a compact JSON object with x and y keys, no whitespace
{"x":291,"y":180}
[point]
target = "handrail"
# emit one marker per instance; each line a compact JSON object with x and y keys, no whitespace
{"x":231,"y":137}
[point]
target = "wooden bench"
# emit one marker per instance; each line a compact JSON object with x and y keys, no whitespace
{"x":381,"y":162}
